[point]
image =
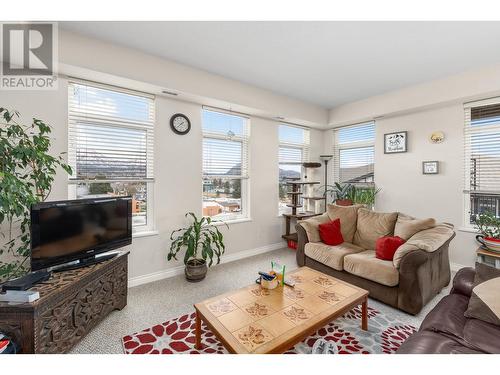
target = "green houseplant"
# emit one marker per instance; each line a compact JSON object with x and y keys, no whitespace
{"x":27,"y":172}
{"x":364,"y":195}
{"x":202,"y":242}
{"x":340,"y":193}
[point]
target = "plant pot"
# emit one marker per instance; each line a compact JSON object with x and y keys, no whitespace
{"x":490,"y":243}
{"x":196,"y":270}
{"x":343,"y":202}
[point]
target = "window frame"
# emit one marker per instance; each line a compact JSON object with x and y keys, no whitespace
{"x":338,"y":147}
{"x":245,"y":214}
{"x":466,"y":195}
{"x":150,"y":226}
{"x":305,"y":149}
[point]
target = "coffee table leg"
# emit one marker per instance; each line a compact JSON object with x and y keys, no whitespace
{"x":198,"y":331}
{"x":364,"y":315}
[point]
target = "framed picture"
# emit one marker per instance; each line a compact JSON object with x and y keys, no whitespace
{"x":395,"y":143}
{"x":430,"y":167}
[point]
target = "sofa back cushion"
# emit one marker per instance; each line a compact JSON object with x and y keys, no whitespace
{"x":407,"y":226}
{"x":372,"y":225}
{"x":348,"y":216}
{"x":311,"y":226}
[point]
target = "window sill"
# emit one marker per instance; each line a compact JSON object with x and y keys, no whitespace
{"x":468,"y":230}
{"x":146,"y":233}
{"x":230,"y":222}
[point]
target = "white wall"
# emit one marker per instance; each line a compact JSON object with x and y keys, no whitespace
{"x":406,"y":189}
{"x":178,"y":170}
{"x":420,"y":110}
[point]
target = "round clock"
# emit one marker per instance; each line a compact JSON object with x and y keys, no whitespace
{"x":180,"y":124}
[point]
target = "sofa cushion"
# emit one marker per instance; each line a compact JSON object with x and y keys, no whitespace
{"x":429,"y":342}
{"x":372,"y":225}
{"x":366,"y":265}
{"x":348,"y":216}
{"x":311,"y":226}
{"x":406,"y":226}
{"x":452,"y":307}
{"x":484,"y":303}
{"x":331,"y":256}
{"x":483,"y":336}
{"x":330,"y":233}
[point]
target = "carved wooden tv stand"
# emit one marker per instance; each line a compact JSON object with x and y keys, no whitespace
{"x":71,"y":303}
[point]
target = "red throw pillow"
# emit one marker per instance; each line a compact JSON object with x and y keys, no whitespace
{"x":385,"y":247}
{"x":330,"y":233}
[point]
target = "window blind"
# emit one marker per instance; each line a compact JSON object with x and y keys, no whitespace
{"x":354,"y":154}
{"x":294,"y":144}
{"x":225,"y":145}
{"x":482,"y":157}
{"x":110,"y":132}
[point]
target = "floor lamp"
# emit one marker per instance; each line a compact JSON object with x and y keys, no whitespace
{"x":326,"y":159}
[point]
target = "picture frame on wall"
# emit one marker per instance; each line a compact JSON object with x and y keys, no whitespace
{"x":395,"y":143}
{"x":430,"y":167}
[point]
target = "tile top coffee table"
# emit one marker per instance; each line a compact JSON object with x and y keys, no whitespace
{"x":257,"y":320}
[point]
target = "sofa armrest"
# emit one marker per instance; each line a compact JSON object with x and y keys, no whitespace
{"x":428,"y":240}
{"x":301,"y":243}
{"x":422,"y":275}
{"x":463,"y":281}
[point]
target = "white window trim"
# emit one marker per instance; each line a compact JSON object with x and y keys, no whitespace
{"x":306,"y":152}
{"x":335,"y":175}
{"x":245,"y":215}
{"x":467,"y":225}
{"x":137,"y":230}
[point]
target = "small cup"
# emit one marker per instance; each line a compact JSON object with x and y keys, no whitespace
{"x":272,"y":284}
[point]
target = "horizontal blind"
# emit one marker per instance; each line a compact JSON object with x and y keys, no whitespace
{"x":111,"y":132}
{"x":225,"y":145}
{"x":482,"y":148}
{"x":294,"y":144}
{"x":354,"y":154}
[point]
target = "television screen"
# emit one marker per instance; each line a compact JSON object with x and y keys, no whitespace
{"x":71,"y":230}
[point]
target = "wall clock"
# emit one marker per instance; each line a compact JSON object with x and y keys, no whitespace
{"x":180,"y":124}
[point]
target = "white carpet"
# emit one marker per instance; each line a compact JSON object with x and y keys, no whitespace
{"x":159,"y":301}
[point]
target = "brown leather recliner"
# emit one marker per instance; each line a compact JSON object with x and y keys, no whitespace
{"x":445,"y":330}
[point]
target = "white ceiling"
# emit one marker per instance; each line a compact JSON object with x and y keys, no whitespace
{"x":326,"y":63}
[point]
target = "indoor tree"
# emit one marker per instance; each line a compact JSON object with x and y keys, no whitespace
{"x":27,"y":172}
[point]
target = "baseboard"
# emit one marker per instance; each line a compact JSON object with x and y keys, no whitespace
{"x":179,"y":270}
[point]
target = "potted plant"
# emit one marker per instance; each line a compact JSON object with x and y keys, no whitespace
{"x":364,"y":195}
{"x":202,"y":241}
{"x":488,"y":225}
{"x":27,"y":171}
{"x":340,"y":193}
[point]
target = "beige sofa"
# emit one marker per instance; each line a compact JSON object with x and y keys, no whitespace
{"x":419,"y":270}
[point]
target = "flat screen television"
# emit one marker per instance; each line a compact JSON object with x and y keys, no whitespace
{"x":66,"y":231}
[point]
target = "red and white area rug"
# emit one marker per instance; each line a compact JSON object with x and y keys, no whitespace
{"x":177,"y":335}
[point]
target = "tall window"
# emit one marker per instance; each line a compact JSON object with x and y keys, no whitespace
{"x":482,"y":159}
{"x":293,"y":151}
{"x":110,"y":147}
{"x":225,"y":165}
{"x":354,"y":154}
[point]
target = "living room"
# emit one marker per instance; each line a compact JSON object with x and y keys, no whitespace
{"x":327,"y":187}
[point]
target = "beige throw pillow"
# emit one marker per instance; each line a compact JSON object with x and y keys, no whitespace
{"x":311,"y":226}
{"x":372,"y":225}
{"x":407,"y":226}
{"x":484,"y":303}
{"x":348,"y":216}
